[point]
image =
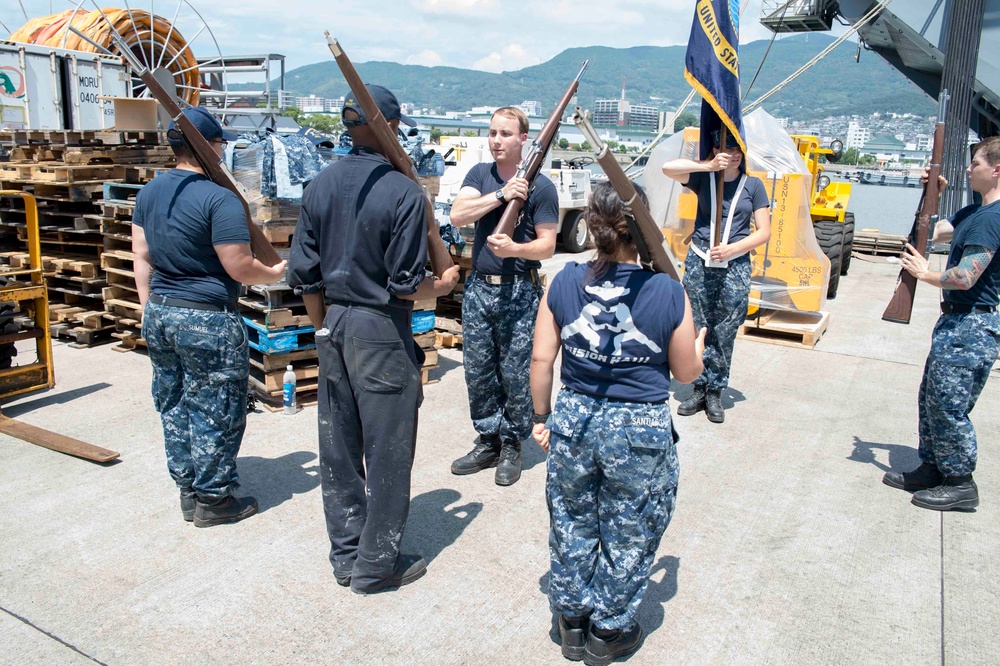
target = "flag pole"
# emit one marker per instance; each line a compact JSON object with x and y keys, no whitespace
{"x":717,"y":240}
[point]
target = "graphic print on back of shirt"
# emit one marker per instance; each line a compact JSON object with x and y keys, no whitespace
{"x":614,"y":318}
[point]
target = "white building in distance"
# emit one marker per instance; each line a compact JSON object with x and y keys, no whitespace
{"x":857,"y":136}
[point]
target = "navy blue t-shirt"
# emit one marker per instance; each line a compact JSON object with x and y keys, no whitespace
{"x":616,"y":330}
{"x":976,"y":226}
{"x":542,"y":207}
{"x":753,"y":198}
{"x":184,"y":215}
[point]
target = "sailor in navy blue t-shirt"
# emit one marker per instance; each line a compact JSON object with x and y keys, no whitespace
{"x":717,"y":278}
{"x":501,"y":295}
{"x":964,"y":345}
{"x":612,"y":465}
{"x":191,"y":237}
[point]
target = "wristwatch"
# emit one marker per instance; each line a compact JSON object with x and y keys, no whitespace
{"x":540,"y":418}
{"x":500,"y":197}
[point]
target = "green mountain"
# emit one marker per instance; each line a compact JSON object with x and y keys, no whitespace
{"x":654,"y":75}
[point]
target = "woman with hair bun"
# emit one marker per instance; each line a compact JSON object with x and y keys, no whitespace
{"x":718,"y":278}
{"x":612,"y":463}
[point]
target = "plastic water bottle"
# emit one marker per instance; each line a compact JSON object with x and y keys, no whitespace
{"x":289,"y":390}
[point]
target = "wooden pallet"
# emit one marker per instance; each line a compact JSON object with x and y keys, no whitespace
{"x":869,"y":241}
{"x":121,"y":301}
{"x":272,"y":381}
{"x":82,"y":336}
{"x":276,"y":318}
{"x":788,"y":329}
{"x":143,"y":173}
{"x":271,"y":297}
{"x":84,"y":267}
{"x":82,"y":137}
{"x":81,"y":191}
{"x":448,"y":340}
{"x":304,"y":398}
{"x":65,"y":174}
{"x":273,"y":362}
{"x":281,"y":234}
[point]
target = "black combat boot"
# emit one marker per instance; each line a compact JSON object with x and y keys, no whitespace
{"x":694,"y":404}
{"x":509,"y":467}
{"x":408,"y":569}
{"x":573,"y":635}
{"x":484,"y":455}
{"x":713,"y":407}
{"x":603,"y":647}
{"x":955,"y":493}
{"x":226,"y":510}
{"x":924,"y":477}
{"x":188,"y":504}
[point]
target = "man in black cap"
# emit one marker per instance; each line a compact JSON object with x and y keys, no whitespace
{"x":358,"y":257}
{"x":191,"y":236}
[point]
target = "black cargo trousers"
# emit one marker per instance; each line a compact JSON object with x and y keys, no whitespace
{"x":369,"y":394}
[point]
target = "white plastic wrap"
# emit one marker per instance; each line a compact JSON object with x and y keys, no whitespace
{"x":790,"y":272}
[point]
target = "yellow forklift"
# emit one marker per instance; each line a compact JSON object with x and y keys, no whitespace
{"x":832,"y":223}
{"x":23,"y":294}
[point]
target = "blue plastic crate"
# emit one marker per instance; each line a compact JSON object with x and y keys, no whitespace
{"x":282,"y":340}
{"x":423,"y":321}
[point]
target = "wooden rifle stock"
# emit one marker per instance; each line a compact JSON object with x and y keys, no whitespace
{"x":390,"y":147}
{"x":203,"y":151}
{"x":901,"y":306}
{"x":648,"y":237}
{"x":532,"y":163}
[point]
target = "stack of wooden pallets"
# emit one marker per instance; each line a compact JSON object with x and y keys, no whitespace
{"x":279,"y":334}
{"x":121,"y":297}
{"x":67,"y":171}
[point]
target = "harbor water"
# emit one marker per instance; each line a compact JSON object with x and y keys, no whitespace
{"x":887,"y":209}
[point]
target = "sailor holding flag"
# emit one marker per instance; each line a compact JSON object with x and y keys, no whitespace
{"x":733,"y":214}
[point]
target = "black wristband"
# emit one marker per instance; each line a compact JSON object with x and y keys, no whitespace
{"x":540,"y":418}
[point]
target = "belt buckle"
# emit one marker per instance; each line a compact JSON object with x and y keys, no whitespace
{"x":493,"y":279}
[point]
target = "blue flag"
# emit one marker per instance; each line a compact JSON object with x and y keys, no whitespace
{"x":712,"y":67}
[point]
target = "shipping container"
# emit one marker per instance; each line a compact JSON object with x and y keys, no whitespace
{"x":45,"y":88}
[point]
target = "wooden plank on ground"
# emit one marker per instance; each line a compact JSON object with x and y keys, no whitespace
{"x":54,"y":441}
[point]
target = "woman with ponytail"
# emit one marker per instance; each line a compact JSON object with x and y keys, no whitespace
{"x":612,"y":463}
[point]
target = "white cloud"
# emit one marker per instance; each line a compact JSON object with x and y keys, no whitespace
{"x":511,"y":57}
{"x":428,"y":58}
{"x":456,"y":6}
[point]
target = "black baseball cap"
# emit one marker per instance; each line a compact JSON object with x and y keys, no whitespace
{"x":384,"y":100}
{"x":207,"y":124}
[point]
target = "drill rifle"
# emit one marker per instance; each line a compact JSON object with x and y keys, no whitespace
{"x":532,"y":162}
{"x":901,"y":306}
{"x":390,"y":147}
{"x":206,"y":156}
{"x":648,"y":237}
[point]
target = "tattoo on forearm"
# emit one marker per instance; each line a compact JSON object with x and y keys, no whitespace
{"x":974,"y":261}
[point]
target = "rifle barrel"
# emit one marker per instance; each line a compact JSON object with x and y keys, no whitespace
{"x":390,"y":147}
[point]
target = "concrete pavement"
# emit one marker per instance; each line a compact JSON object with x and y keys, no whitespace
{"x":785,"y":548}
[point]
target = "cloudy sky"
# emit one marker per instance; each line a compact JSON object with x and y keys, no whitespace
{"x":489,"y":35}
